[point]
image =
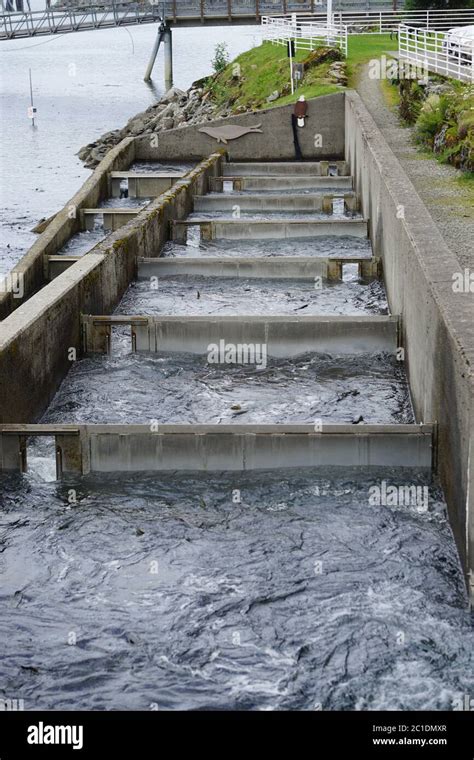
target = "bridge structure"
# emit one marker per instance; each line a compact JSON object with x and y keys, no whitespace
{"x":376,"y":16}
{"x":62,"y":18}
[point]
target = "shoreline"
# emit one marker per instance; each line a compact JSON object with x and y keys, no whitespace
{"x":177,"y":108}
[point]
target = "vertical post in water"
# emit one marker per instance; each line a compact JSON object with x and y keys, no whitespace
{"x":154,"y":52}
{"x":31,"y":101}
{"x":168,"y":40}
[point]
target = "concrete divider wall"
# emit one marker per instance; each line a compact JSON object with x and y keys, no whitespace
{"x":134,"y":448}
{"x":438,"y":324}
{"x":282,"y":336}
{"x":30,"y":268}
{"x":325,"y":118}
{"x":36,"y":337}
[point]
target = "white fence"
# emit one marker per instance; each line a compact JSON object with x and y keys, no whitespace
{"x":382,"y":22}
{"x":307,"y":35}
{"x":443,"y":53}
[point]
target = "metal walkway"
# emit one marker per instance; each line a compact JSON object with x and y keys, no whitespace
{"x":57,"y":20}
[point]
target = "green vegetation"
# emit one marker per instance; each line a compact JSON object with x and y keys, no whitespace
{"x":362,"y":48}
{"x":443,"y":120}
{"x":221,"y":57}
{"x":250,"y":79}
{"x":444,"y":124}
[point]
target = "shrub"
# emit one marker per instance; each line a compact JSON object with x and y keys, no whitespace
{"x":430,"y":119}
{"x":221,"y":57}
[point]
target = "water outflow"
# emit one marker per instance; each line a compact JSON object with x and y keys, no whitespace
{"x":166,"y":589}
{"x":289,"y":589}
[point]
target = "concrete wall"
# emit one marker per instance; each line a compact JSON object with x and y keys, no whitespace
{"x":31,"y":267}
{"x":438,"y":324}
{"x":36,"y":337}
{"x":325,"y":117}
{"x":134,"y":448}
{"x":281,"y":336}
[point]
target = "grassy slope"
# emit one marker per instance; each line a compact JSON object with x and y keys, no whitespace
{"x":263,"y":70}
{"x":266,"y":68}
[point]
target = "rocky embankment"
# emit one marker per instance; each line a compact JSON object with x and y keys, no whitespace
{"x":175,"y":109}
{"x":442,"y":113}
{"x":224,"y":94}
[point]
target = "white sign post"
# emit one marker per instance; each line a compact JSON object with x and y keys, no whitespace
{"x":329,"y":16}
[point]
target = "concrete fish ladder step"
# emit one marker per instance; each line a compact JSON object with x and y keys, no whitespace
{"x":143,"y":185}
{"x":284,"y":182}
{"x":138,"y":448}
{"x":279,"y":168}
{"x":249,"y":229}
{"x":113,"y":218}
{"x":247,"y":339}
{"x":294,"y":268}
{"x":274,"y":202}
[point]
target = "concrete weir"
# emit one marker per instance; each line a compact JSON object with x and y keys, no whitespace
{"x":284,"y":168}
{"x":297,"y":182}
{"x":113,"y":218}
{"x":249,"y":229}
{"x":282,"y":336}
{"x":275,"y":202}
{"x":55,"y":324}
{"x":81,"y":449}
{"x":142,"y":185}
{"x":294,"y":268}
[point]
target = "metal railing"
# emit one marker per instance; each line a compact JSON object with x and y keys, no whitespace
{"x":307,"y":35}
{"x":50,"y":21}
{"x":442,"y":53}
{"x":383,"y":22}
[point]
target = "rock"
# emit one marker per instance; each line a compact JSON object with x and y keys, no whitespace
{"x":167,"y":122}
{"x":440,"y":139}
{"x":84,"y":152}
{"x":170,"y":110}
{"x":137,"y":127}
{"x":274,"y":96}
{"x":173,"y":94}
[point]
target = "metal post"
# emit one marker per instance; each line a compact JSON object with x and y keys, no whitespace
{"x":31,"y":101}
{"x":329,"y":13}
{"x":168,"y":40}
{"x":291,"y":68}
{"x":154,"y":52}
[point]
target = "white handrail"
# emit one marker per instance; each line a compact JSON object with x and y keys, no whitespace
{"x":382,"y":22}
{"x":439,"y":52}
{"x":306,"y":34}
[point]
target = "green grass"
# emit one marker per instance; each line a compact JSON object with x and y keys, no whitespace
{"x":390,"y":94}
{"x":313,"y":91}
{"x":266,"y":68}
{"x":263,"y":70}
{"x":363,"y":48}
{"x":467,"y":181}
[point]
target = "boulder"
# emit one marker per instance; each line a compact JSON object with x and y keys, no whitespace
{"x":173,"y":94}
{"x":274,"y":96}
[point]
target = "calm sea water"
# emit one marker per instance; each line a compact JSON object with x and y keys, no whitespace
{"x":83,"y":85}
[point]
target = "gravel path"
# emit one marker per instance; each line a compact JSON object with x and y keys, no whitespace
{"x":449,"y":203}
